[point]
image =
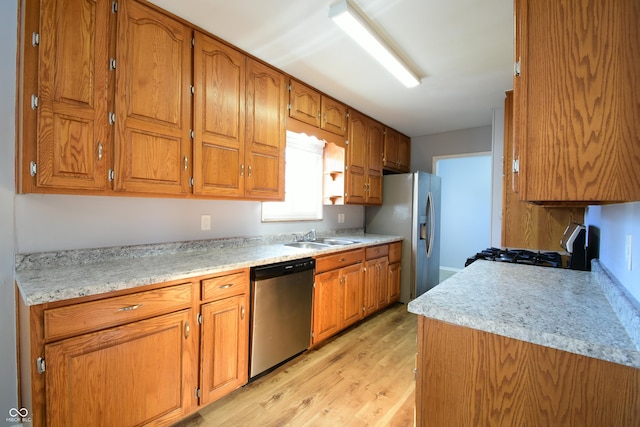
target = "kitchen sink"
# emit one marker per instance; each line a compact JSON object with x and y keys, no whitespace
{"x":307,"y":245}
{"x":334,"y":242}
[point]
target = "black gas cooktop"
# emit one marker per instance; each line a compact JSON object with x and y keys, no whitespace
{"x":518,"y":256}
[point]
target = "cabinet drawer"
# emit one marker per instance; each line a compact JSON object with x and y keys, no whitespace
{"x":377,"y":251}
{"x":331,"y":262}
{"x":225,"y":286}
{"x":395,"y":252}
{"x":90,"y":316}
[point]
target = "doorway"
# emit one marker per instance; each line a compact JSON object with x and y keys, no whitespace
{"x":465,"y":225}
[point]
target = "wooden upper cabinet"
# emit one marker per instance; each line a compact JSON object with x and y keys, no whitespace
{"x":73,"y":137}
{"x":577,"y":100}
{"x":364,"y":160}
{"x":404,"y":153}
{"x":397,"y":149}
{"x":334,"y":116}
{"x":526,"y":225}
{"x":266,"y":106}
{"x":219,"y":118}
{"x":153,"y":101}
{"x":310,"y":106}
{"x":304,"y":103}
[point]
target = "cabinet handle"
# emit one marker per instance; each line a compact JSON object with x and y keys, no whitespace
{"x":130,"y":308}
{"x":100,"y":151}
{"x":187,"y":330}
{"x":227,"y":286}
{"x":242,"y":312}
{"x":343,"y":259}
{"x":186,"y":162}
{"x":242,"y":170}
{"x":249,"y":168}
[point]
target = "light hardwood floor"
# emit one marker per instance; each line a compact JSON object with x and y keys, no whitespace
{"x":361,"y":377}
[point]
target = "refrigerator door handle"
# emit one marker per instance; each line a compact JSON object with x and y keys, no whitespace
{"x":432,"y":224}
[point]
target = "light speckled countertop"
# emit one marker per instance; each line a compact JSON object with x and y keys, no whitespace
{"x":56,"y":276}
{"x":558,"y":308}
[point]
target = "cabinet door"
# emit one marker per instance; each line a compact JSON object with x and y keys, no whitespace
{"x":153,"y":96}
{"x":404,"y":153}
{"x":130,"y":375}
{"x":326,"y":305}
{"x":219,"y":112}
{"x":356,"y":159}
{"x":73,"y":137}
{"x":375,"y":153}
{"x":304,"y":103}
{"x":265,"y":132}
{"x":224,"y":347}
{"x":578,"y":100}
{"x":370,"y":287}
{"x":391,"y":142}
{"x":334,"y":116}
{"x":352,"y":294}
{"x":395,"y":270}
{"x":382,"y":283}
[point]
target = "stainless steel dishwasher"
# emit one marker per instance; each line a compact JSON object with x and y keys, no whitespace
{"x":281,"y":299}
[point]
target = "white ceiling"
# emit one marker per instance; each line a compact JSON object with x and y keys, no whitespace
{"x":463,"y":48}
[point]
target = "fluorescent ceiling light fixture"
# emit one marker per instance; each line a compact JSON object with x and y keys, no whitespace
{"x":354,"y":23}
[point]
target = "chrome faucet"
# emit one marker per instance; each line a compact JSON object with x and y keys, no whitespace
{"x":310,"y":236}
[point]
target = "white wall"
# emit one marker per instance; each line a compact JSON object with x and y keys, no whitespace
{"x":55,"y":222}
{"x":615,"y":223}
{"x":423,"y":148}
{"x":8,"y":366}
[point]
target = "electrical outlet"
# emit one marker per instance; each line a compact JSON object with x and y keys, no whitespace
{"x":628,"y":243}
{"x":205,"y":222}
{"x":340,"y":218}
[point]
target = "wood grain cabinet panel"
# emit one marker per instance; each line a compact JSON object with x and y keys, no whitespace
{"x":525,"y":225}
{"x":334,"y":116}
{"x":153,"y":104}
{"x":219,"y":118}
{"x":304,"y":103}
{"x":471,"y":377}
{"x":130,"y":375}
{"x":364,"y":160}
{"x":577,"y":100}
{"x":224,"y":347}
{"x":337,"y":293}
{"x":73,"y":133}
{"x":265,"y":132}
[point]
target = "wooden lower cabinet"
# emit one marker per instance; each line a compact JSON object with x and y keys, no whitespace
{"x":129,"y":375}
{"x":393,"y":282}
{"x":376,"y":284}
{"x":224,"y":339}
{"x":135,"y":358}
{"x":467,"y":377}
{"x":337,"y":293}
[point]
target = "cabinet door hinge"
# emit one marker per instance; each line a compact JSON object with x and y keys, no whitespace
{"x":111,"y":175}
{"x":346,"y":141}
{"x":112,"y":117}
{"x":516,"y":165}
{"x":35,"y":39}
{"x":192,"y":134}
{"x":289,"y":88}
{"x":34,"y":102}
{"x":193,"y":89}
{"x":199,"y":318}
{"x":516,"y":68}
{"x":191,"y":182}
{"x":114,"y":6}
{"x":193,"y":41}
{"x":112,"y":64}
{"x":33,"y":168}
{"x":40,"y":364}
{"x":197,"y":392}
{"x":288,"y":107}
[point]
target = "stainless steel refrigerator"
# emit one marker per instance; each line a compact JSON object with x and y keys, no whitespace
{"x":411,"y":209}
